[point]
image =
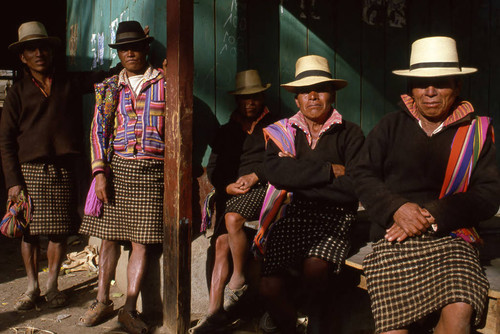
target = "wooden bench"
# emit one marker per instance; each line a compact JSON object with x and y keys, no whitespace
{"x":490,"y":256}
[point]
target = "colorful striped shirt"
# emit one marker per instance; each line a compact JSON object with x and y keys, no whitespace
{"x":139,"y":122}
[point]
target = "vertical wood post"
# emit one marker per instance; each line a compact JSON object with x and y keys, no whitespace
{"x":178,"y":161}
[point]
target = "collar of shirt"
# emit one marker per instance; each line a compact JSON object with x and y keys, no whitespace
{"x":300,"y":122}
{"x":461,"y":109}
{"x":150,"y":74}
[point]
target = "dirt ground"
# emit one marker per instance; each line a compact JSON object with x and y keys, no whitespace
{"x":80,"y":286}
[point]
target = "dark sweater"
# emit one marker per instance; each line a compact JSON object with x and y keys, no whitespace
{"x":38,"y":128}
{"x":309,"y":175}
{"x":399,"y":163}
{"x":236,"y":153}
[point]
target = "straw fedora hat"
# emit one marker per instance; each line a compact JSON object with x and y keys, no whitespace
{"x":311,"y":70}
{"x":434,"y":57}
{"x":30,"y":32}
{"x":248,"y":82}
{"x":129,"y":32}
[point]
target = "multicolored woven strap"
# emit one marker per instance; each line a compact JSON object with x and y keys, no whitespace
{"x":465,"y":150}
{"x":19,"y":214}
{"x":207,"y":211}
{"x":276,"y":200}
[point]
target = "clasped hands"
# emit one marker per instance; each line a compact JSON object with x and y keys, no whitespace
{"x":409,"y":220}
{"x":242,"y":185}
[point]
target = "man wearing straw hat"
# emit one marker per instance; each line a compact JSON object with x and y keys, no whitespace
{"x":41,"y":142}
{"x":308,"y":162}
{"x":427,"y":175}
{"x":235,"y":169}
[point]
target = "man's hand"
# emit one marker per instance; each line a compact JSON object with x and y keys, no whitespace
{"x":242,"y":185}
{"x":285,"y":155}
{"x":411,"y":220}
{"x":395,"y":233}
{"x":101,"y":187}
{"x":13,"y":193}
{"x":164,"y":65}
{"x":338,"y":170}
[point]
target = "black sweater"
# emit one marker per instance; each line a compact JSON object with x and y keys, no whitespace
{"x":309,"y":175}
{"x":399,"y":163}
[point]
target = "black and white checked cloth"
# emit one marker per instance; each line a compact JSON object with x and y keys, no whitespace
{"x":135,"y":212}
{"x":408,"y":281}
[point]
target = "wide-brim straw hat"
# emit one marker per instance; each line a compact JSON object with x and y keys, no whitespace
{"x":248,"y":82}
{"x":434,"y":57}
{"x":312,"y":70}
{"x":32,"y":31}
{"x":130,"y":32}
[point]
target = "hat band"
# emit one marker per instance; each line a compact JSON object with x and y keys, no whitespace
{"x":32,"y":36}
{"x":128,"y":36}
{"x":435,"y":64}
{"x":313,"y":73}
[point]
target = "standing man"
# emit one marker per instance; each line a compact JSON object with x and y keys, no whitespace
{"x":41,"y":142}
{"x":127,"y":165}
{"x":425,"y":202}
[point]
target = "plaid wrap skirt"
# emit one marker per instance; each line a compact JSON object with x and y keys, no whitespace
{"x":135,"y":211}
{"x":309,"y":229}
{"x":410,"y":280}
{"x":53,"y":190}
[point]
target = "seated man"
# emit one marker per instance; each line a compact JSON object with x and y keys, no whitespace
{"x":423,"y":204}
{"x":235,"y":170}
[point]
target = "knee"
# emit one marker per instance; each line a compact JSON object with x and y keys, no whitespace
{"x":315,"y":272}
{"x":139,"y":249}
{"x":457,"y":312}
{"x":221,"y":245}
{"x":234,"y":221}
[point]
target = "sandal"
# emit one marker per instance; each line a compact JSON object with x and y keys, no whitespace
{"x":215,"y":323}
{"x":96,"y":313}
{"x":56,"y":298}
{"x":27,"y":301}
{"x":232,"y":297}
{"x":131,"y":321}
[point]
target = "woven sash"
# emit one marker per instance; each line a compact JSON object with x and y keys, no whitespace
{"x":273,"y":208}
{"x":465,"y":150}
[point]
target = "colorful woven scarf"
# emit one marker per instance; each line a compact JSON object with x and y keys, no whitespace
{"x":465,"y":150}
{"x":207,"y":211}
{"x":273,"y":208}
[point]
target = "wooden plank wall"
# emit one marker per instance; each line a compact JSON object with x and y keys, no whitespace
{"x":269,"y":35}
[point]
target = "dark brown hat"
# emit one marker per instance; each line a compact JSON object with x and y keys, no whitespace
{"x":130,"y":32}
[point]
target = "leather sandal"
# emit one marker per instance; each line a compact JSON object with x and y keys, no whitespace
{"x":96,"y":313}
{"x":131,"y":321}
{"x":56,"y":298}
{"x":27,"y":301}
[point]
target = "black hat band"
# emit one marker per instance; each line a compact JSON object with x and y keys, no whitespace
{"x":313,"y":73}
{"x":434,"y":64}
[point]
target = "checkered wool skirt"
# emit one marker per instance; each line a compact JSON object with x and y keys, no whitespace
{"x":53,"y":191}
{"x":135,"y":212}
{"x":410,"y":280}
{"x":309,"y":229}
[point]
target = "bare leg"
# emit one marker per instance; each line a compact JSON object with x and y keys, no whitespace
{"x":315,"y":273}
{"x":281,"y":309}
{"x":135,"y":273}
{"x":455,"y":318}
{"x":220,"y":274}
{"x":108,"y":258}
{"x":56,"y":251}
{"x":30,"y":253}
{"x":238,"y":244}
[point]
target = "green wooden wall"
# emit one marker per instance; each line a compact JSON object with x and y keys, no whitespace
{"x":362,"y":39}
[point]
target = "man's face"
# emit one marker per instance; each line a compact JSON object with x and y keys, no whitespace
{"x":434,"y":96}
{"x":133,"y":58}
{"x":315,"y":102}
{"x":37,"y":56}
{"x":251,"y":105}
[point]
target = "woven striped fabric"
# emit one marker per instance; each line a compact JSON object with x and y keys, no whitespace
{"x":52,"y":190}
{"x":465,"y":150}
{"x":408,"y":281}
{"x":275,"y":201}
{"x":135,"y":212}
